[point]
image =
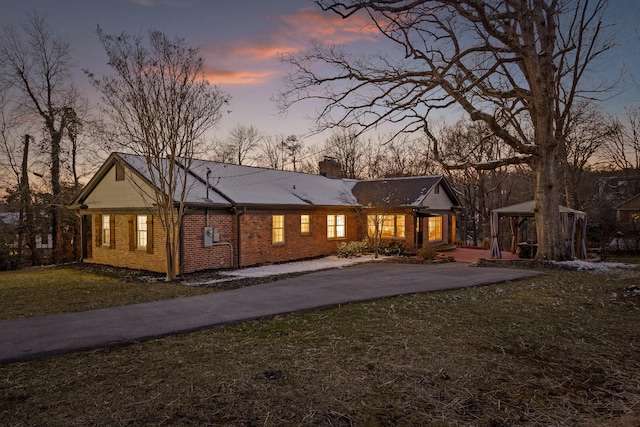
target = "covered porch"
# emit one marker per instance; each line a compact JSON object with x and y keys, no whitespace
{"x":574,"y":228}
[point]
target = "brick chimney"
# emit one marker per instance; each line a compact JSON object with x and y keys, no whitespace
{"x":330,"y":167}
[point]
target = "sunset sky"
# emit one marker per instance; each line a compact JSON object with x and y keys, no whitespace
{"x":241,"y":41}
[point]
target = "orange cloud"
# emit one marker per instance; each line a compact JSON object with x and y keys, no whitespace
{"x":254,"y":61}
{"x":246,"y":62}
{"x":230,"y":77}
{"x":313,"y":23}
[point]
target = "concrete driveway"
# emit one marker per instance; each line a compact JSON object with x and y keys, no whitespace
{"x":41,"y":337}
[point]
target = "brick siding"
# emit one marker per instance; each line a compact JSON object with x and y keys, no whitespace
{"x":196,"y":255}
{"x":120,"y":255}
{"x":256,"y":240}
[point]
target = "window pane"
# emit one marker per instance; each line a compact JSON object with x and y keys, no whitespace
{"x":305,"y":227}
{"x":106,"y":230}
{"x":331,"y":226}
{"x":340,"y":226}
{"x":142,"y":231}
{"x":435,"y":228}
{"x":387,"y":226}
{"x":277,"y":234}
{"x":400,"y":226}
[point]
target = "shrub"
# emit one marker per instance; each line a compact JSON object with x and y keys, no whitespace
{"x":352,"y":249}
{"x":392,"y":247}
{"x":427,"y":252}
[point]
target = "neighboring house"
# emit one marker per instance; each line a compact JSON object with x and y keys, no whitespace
{"x":9,"y":222}
{"x":629,"y":211}
{"x":628,"y":224}
{"x":240,"y":216}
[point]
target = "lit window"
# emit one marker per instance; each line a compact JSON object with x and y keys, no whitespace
{"x":106,"y":230}
{"x":305,"y":224}
{"x":400,"y":226}
{"x":389,"y":226}
{"x":435,"y":228}
{"x":277,"y":229}
{"x":141,"y":232}
{"x":336,"y":226}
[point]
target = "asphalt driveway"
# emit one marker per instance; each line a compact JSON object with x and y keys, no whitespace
{"x":41,"y":337}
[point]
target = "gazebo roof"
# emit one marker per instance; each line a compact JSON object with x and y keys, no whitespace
{"x":527,"y":209}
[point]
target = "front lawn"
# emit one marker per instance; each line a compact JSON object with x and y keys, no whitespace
{"x":54,"y":290}
{"x":560,"y":349}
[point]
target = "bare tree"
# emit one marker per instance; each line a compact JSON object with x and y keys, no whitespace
{"x":36,"y":64}
{"x":272,"y":152}
{"x":161,"y":105}
{"x":349,"y":150}
{"x":587,"y":133}
{"x":481,"y":190}
{"x":622,"y":149}
{"x":516,"y":66}
{"x":242,"y":141}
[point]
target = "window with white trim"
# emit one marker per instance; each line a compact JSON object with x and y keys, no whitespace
{"x":277,"y":229}
{"x":106,"y":230}
{"x":435,"y":228}
{"x":305,"y":224}
{"x":388,"y":226}
{"x":142,"y":235}
{"x":336,"y":226}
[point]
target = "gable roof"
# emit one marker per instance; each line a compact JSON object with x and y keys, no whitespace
{"x":528,"y":209}
{"x":406,"y":191}
{"x":223,"y":185}
{"x":633,"y":204}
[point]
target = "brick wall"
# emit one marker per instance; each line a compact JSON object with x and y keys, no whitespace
{"x":120,"y":255}
{"x":256,"y":237}
{"x":196,"y":255}
{"x":255,"y":240}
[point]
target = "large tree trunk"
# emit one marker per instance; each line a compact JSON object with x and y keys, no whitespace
{"x":56,"y":219}
{"x":547,"y":197}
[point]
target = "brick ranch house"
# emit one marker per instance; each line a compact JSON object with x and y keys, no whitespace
{"x":239,"y":216}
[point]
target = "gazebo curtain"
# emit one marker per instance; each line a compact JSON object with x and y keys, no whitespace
{"x":582,"y":223}
{"x":495,"y":246}
{"x":574,"y":230}
{"x":515,"y":233}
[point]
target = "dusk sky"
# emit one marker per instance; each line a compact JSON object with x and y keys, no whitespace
{"x":241,"y":40}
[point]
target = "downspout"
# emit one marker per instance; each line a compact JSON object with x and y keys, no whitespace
{"x":181,"y":260}
{"x":239,"y":234}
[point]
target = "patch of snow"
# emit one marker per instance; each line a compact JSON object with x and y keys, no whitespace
{"x":593,"y":266}
{"x":300,"y":266}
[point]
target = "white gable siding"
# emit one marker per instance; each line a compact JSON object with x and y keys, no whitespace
{"x":109,"y":193}
{"x":437,"y":200}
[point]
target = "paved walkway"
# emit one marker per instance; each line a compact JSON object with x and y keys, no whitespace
{"x":40,"y":337}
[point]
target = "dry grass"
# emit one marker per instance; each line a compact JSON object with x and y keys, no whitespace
{"x":54,"y":290}
{"x":562,"y":349}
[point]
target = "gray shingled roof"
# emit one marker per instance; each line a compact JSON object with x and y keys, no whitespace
{"x":408,"y":191}
{"x":230,"y":185}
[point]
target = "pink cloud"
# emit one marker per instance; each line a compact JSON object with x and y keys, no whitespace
{"x":237,"y":77}
{"x":254,"y":61}
{"x":313,"y":23}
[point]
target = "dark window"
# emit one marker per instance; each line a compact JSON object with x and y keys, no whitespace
{"x":119,"y":172}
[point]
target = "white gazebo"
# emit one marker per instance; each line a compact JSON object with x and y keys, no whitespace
{"x":574,"y":227}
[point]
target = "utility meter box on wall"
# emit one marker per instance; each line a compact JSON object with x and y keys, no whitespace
{"x":211,"y":236}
